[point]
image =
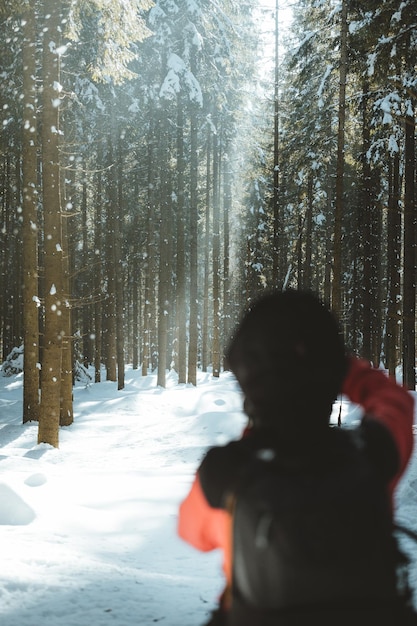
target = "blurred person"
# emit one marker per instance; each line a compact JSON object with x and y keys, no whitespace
{"x":302,"y":511}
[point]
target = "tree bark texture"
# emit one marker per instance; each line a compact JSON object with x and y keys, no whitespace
{"x":338,"y":215}
{"x":410,"y":222}
{"x":30,"y":223}
{"x":216,"y":259}
{"x":53,"y":281}
{"x":193,"y":228}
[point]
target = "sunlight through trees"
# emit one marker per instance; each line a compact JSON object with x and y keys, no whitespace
{"x":162,"y":164}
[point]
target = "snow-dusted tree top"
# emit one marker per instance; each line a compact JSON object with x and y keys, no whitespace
{"x":121,"y":23}
{"x":179,"y":77}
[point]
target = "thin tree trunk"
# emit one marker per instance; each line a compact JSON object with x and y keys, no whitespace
{"x":135,"y":281}
{"x":307,"y":274}
{"x":135,"y":311}
{"x":276,"y":209}
{"x":378,"y":278}
{"x":6,"y":269}
{"x":193,"y":329}
{"x":148,"y":265}
{"x":299,"y":246}
{"x":216,"y":259}
{"x":338,"y":217}
{"x":30,"y":223}
{"x":67,"y":412}
{"x":409,"y":280}
{"x":3,"y":256}
{"x":16,"y":277}
{"x":164,"y":274}
{"x":394,"y":266}
{"x":227,"y":206}
{"x":163,"y":307}
{"x":328,"y":260}
{"x":98,"y":272}
{"x":367,"y":295}
{"x":86,"y":287}
{"x":205,"y":330}
{"x":110,"y":346}
{"x":119,"y":274}
{"x":356,"y":289}
{"x":146,"y":342}
{"x":181,"y":281}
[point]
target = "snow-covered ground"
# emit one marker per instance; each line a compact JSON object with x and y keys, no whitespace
{"x":88,"y":531}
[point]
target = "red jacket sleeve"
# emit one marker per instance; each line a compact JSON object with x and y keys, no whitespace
{"x":385,"y":401}
{"x":205,"y":527}
{"x":200,"y":524}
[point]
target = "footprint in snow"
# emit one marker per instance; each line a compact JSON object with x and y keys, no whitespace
{"x":36,"y":480}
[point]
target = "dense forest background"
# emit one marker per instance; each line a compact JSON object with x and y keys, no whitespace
{"x":164,"y":162}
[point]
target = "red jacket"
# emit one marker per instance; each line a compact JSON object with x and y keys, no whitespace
{"x":381,"y":398}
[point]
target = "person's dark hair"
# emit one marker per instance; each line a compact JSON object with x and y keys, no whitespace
{"x":288,"y":356}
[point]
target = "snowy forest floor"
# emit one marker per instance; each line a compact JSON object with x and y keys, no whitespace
{"x":88,"y":531}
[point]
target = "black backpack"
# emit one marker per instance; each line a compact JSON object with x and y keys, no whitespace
{"x":314,"y":537}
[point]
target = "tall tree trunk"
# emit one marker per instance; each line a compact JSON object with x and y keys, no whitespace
{"x":52,"y":349}
{"x":299,"y":245}
{"x":7,"y":269}
{"x":110,"y":346}
{"x":338,"y":217}
{"x":356,"y":296}
{"x":409,"y":279}
{"x":136,"y":282}
{"x":367,"y":227}
{"x":307,"y":274}
{"x":163,"y":305}
{"x":67,"y":381}
{"x":181,"y":312}
{"x":146,"y":316}
{"x":378,"y":278}
{"x":16,"y":277}
{"x":227,"y":206}
{"x":119,"y":274}
{"x":67,"y":412}
{"x":98,"y":271}
{"x":85,"y":286}
{"x":276,"y":208}
{"x":3,"y":255}
{"x":164,"y":272}
{"x":148,"y":265}
{"x":378,"y":282}
{"x":30,"y":223}
{"x":393,"y":265}
{"x":216,"y":258}
{"x":193,"y":227}
{"x":205,"y":330}
{"x":329,"y":252}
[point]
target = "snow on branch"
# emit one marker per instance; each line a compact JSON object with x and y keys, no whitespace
{"x":179,"y":77}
